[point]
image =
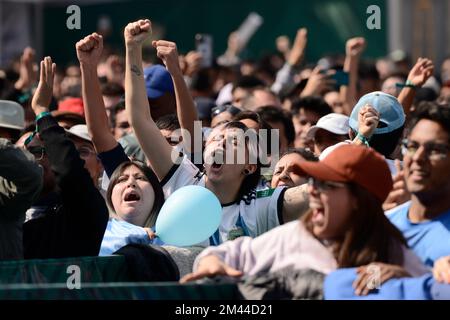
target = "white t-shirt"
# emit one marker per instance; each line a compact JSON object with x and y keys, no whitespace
{"x":256,"y":213}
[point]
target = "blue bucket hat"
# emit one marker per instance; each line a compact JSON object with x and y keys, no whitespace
{"x":391,"y":112}
{"x":157,"y":81}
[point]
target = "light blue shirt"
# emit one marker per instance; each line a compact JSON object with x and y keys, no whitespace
{"x":120,"y":233}
{"x":430,"y":240}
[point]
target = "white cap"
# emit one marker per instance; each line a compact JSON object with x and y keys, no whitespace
{"x":12,"y":115}
{"x":328,"y":150}
{"x":333,"y":122}
{"x":80,"y":131}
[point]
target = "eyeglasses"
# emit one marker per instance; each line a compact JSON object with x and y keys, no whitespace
{"x":85,"y":152}
{"x":324,"y":186}
{"x":227,"y":107}
{"x":434,"y":151}
{"x":37,"y":151}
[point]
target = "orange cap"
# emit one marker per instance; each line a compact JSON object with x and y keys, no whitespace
{"x":351,"y":163}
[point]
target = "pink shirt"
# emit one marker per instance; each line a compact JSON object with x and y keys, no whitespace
{"x":289,"y":245}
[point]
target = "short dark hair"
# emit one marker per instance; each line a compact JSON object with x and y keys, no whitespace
{"x":248,"y":82}
{"x":305,"y":153}
{"x":201,"y":81}
{"x":433,"y":111}
{"x":151,"y":177}
{"x":261,"y":123}
{"x":367,"y":69}
{"x":275,"y":114}
{"x":168,"y":122}
{"x":120,"y":106}
{"x":385,"y":143}
{"x":314,"y":104}
{"x":112,"y":89}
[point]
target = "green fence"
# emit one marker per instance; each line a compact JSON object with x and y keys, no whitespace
{"x":101,"y":278}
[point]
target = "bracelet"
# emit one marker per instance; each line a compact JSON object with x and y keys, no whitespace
{"x":38,"y":117}
{"x":409,"y":84}
{"x":42,"y":115}
{"x":363,"y":139}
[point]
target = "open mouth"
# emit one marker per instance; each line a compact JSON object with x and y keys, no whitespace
{"x":216,"y":166}
{"x":218,"y":158}
{"x":318,"y":215}
{"x":132,"y":197}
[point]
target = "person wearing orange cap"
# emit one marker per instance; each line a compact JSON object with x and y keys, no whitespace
{"x":345,"y":226}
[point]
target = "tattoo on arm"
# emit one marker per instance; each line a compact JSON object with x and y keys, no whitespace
{"x":136,"y":70}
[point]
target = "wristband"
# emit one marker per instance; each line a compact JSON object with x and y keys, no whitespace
{"x":42,"y":115}
{"x":407,"y":84}
{"x":38,"y":117}
{"x":363,"y":139}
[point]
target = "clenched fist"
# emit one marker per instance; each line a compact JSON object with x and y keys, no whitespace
{"x":355,"y":46}
{"x":89,"y":49}
{"x":136,"y":33}
{"x":368,"y":119}
{"x":167,"y":52}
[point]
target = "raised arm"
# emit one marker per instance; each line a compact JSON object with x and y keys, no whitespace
{"x":77,"y":188}
{"x":353,"y":50}
{"x":157,"y":150}
{"x":368,"y":118}
{"x":285,"y":76}
{"x":89,"y":51}
{"x":186,"y":110}
{"x":295,"y":202}
{"x":419,"y":74}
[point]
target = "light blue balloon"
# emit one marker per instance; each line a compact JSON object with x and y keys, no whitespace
{"x":189,"y":216}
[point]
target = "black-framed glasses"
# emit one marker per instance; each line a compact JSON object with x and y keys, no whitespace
{"x":324,"y":186}
{"x":434,"y":151}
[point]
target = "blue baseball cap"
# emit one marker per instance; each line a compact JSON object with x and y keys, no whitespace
{"x":157,"y":81}
{"x":391,"y":112}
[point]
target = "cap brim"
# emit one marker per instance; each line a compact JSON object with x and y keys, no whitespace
{"x":78,"y":136}
{"x":312,"y":132}
{"x":319,"y":171}
{"x":10,"y":126}
{"x":153,"y":93}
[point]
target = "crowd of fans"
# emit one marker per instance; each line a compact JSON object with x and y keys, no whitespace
{"x":358,"y":178}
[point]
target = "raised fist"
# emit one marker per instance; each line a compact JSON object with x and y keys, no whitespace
{"x":167,"y":52}
{"x":89,"y":49}
{"x":136,"y":33}
{"x":355,"y":46}
{"x":368,"y":119}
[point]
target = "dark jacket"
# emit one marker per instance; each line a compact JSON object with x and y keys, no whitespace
{"x":20,"y":184}
{"x":75,"y":223}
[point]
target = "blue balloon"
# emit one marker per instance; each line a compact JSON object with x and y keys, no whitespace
{"x":189,"y":216}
